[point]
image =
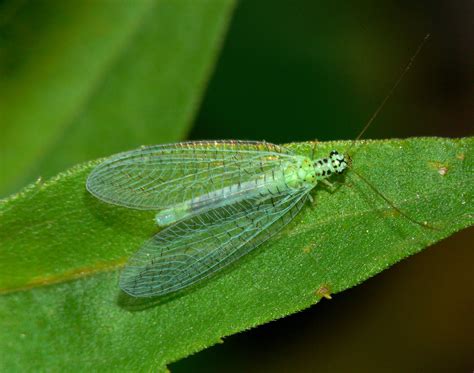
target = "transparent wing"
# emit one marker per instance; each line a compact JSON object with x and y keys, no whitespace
{"x":193,"y":249}
{"x":161,"y":176}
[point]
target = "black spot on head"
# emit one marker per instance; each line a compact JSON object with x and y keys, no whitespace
{"x":329,"y":172}
{"x":325,"y":160}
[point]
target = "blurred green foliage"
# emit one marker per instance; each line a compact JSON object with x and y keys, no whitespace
{"x":86,"y":79}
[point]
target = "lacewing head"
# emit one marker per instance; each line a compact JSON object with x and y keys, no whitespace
{"x":339,"y":162}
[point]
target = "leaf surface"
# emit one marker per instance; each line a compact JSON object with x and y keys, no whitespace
{"x":61,"y":253}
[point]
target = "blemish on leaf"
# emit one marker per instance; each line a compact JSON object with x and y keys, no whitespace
{"x":309,"y":248}
{"x":324,"y":291}
{"x":390,"y":213}
{"x":443,"y":171}
{"x":440,"y":167}
{"x":461,"y":156}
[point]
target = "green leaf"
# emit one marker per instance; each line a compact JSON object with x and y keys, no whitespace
{"x":61,"y":253}
{"x":84,"y":79}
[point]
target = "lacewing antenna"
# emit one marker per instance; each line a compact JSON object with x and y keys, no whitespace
{"x":369,"y":123}
{"x":391,"y":91}
{"x":392,"y":205}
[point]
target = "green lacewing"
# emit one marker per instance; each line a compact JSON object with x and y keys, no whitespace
{"x":217,"y":201}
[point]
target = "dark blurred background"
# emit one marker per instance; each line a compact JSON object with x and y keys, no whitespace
{"x":300,"y":70}
{"x":303,"y":70}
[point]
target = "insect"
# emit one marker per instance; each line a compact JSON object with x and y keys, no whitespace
{"x":216,"y":201}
